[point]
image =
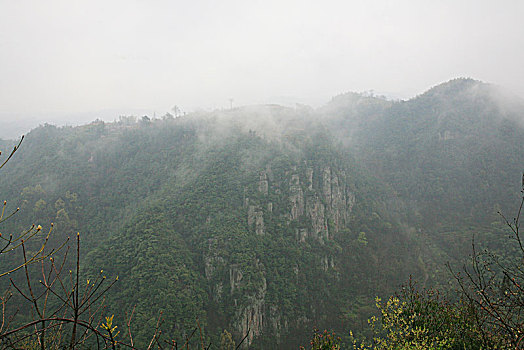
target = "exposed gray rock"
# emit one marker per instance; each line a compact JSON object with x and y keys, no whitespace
{"x":326,"y":184}
{"x":296,"y":198}
{"x":252,"y":316}
{"x":217,"y":292}
{"x":301,"y":234}
{"x":251,"y":215}
{"x":259,"y":223}
{"x":338,"y":204}
{"x":263,"y":185}
{"x":316,"y":211}
{"x":235,"y":276}
{"x":255,"y":216}
{"x":326,"y":263}
{"x":309,"y":178}
{"x":211,"y":260}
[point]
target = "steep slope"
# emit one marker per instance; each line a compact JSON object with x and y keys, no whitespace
{"x":454,"y":155}
{"x":255,"y":225}
{"x":268,"y":221}
{"x":454,"y":151}
{"x":271,"y":238}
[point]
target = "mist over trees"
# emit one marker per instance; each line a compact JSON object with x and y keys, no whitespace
{"x":262,"y":223}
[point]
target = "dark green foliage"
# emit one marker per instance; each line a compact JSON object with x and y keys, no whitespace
{"x":174,"y":207}
{"x":448,"y":151}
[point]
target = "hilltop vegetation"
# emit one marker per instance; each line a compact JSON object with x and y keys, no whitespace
{"x":268,"y":221}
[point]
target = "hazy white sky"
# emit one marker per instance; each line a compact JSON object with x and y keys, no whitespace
{"x":75,"y":58}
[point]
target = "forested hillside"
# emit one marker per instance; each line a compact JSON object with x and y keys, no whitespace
{"x":268,"y":221}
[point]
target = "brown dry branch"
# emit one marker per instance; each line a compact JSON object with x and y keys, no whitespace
{"x":128,"y":325}
{"x":77,"y":309}
{"x":496,"y":288}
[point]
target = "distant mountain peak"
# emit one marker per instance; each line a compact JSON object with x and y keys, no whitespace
{"x":455,"y":86}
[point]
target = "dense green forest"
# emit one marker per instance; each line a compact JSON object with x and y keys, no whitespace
{"x":269,"y":221}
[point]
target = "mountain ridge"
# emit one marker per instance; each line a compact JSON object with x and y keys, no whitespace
{"x":274,"y":219}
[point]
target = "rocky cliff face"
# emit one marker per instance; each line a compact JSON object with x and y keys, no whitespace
{"x":326,"y":205}
{"x":250,"y":318}
{"x":317,"y":201}
{"x":255,"y":219}
{"x":263,"y":183}
{"x":313,"y":204}
{"x":296,"y":198}
{"x":215,"y":199}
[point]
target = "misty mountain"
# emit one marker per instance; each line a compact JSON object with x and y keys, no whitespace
{"x":273,"y":220}
{"x":449,"y":149}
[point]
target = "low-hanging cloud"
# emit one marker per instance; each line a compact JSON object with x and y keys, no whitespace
{"x":66,"y":58}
